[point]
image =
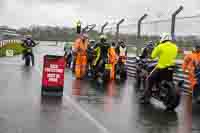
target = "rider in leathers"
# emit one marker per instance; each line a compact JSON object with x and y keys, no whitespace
{"x":28,"y":43}
{"x":101,"y":50}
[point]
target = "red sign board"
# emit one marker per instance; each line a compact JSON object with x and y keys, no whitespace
{"x":53,"y":71}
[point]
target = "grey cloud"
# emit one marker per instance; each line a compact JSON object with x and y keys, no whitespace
{"x":3,"y":5}
{"x":91,"y":11}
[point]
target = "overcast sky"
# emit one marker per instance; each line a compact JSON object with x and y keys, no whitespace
{"x":19,"y":13}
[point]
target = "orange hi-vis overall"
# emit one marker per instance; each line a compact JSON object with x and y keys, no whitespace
{"x":189,"y":67}
{"x":112,"y":56}
{"x":81,"y":57}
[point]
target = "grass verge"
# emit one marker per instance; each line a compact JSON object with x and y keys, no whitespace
{"x":16,"y":47}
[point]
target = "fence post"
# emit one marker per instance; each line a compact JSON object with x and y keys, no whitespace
{"x":139,"y":31}
{"x":174,"y":21}
{"x":103,"y":27}
{"x":117,"y":30}
{"x":92,"y":27}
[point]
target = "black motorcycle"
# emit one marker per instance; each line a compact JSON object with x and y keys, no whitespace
{"x":143,"y":68}
{"x":165,"y":91}
{"x":27,"y":56}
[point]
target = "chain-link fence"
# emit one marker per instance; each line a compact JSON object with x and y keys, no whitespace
{"x":186,"y":31}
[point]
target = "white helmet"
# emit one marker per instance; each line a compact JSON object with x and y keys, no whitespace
{"x":165,"y":37}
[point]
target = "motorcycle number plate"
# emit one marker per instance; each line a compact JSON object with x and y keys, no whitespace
{"x":108,"y":66}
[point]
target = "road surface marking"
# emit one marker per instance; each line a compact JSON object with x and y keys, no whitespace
{"x":86,"y":115}
{"x":81,"y":110}
{"x":10,"y":63}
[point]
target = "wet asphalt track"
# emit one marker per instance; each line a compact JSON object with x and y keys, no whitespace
{"x":85,"y":107}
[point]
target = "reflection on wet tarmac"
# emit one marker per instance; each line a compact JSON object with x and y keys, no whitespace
{"x":118,"y":99}
{"x":156,"y":120}
{"x":113,"y":104}
{"x":195,"y":118}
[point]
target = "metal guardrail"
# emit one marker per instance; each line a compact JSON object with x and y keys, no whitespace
{"x":178,"y":75}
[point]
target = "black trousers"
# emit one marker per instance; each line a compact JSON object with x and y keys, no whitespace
{"x":156,"y":76}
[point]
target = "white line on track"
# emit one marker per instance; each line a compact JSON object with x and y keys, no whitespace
{"x":10,"y":63}
{"x":82,"y":111}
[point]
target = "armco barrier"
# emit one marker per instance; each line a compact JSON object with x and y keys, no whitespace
{"x":4,"y":42}
{"x":178,"y":75}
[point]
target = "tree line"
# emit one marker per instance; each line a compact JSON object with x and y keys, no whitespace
{"x":55,"y":33}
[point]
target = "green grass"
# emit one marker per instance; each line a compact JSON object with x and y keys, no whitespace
{"x":16,"y":47}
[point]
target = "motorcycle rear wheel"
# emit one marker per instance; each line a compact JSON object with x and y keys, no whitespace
{"x":173,"y":99}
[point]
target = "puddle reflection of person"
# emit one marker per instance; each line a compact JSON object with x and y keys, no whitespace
{"x":108,"y":99}
{"x":186,"y":115}
{"x":76,"y":87}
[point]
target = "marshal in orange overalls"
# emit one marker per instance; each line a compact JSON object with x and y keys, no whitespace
{"x":81,"y":57}
{"x":189,"y":67}
{"x":112,"y":56}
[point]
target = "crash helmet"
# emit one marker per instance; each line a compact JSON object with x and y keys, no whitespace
{"x":165,"y":37}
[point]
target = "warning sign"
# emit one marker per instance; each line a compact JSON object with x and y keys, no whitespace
{"x":9,"y":52}
{"x":53,"y":72}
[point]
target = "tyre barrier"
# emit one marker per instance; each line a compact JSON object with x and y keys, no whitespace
{"x":178,"y":74}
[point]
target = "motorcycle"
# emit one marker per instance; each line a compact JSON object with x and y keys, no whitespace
{"x":165,"y":91}
{"x":121,"y":69}
{"x":27,"y":56}
{"x":143,"y":68}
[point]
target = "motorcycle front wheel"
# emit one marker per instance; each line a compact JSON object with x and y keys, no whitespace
{"x":27,"y":61}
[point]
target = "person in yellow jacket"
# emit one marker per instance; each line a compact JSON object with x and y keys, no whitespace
{"x":166,"y":52}
{"x":80,"y":49}
{"x":105,"y":54}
